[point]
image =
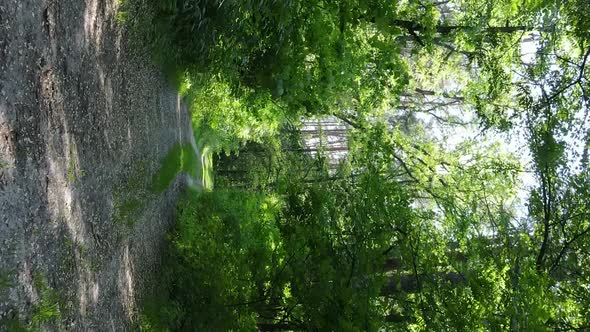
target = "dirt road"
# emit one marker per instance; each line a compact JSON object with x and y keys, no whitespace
{"x":84,"y":122}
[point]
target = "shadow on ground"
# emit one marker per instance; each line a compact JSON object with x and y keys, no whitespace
{"x":84,"y":123}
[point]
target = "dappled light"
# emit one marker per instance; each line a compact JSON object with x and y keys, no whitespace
{"x":290,"y":165}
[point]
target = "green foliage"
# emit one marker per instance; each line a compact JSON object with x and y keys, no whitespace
{"x":158,"y":314}
{"x":338,"y":229}
{"x":236,"y":255}
{"x":229,"y":119}
{"x":222,"y":247}
{"x":267,"y":165}
{"x":288,"y":244}
{"x":247,"y":65}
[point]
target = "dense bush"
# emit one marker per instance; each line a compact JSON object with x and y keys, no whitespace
{"x":222,"y":247}
{"x":241,"y":260}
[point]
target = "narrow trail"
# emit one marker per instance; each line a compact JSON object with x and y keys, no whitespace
{"x":84,"y":122}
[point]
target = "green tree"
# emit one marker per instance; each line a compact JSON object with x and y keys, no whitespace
{"x":410,"y":232}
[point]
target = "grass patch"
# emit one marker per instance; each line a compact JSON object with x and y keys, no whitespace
{"x":48,"y":309}
{"x":71,"y":170}
{"x":5,"y":281}
{"x":180,"y":158}
{"x":132,"y":196}
{"x":15,"y":325}
{"x":74,"y":172}
{"x":126,"y":210}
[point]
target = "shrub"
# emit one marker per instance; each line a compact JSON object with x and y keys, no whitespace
{"x":221,"y":251}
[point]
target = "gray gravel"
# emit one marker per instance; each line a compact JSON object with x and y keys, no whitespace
{"x":84,"y":122}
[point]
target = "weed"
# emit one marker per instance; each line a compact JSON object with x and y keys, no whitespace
{"x":5,"y":281}
{"x":94,"y":266}
{"x":122,"y":17}
{"x":71,"y":170}
{"x":126,"y":209}
{"x":48,"y":308}
{"x":15,"y":325}
{"x":67,"y":257}
{"x":74,"y":173}
{"x":131,"y":197}
{"x":68,"y":243}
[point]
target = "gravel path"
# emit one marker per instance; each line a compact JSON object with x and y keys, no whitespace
{"x":84,"y":123}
